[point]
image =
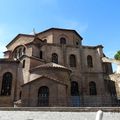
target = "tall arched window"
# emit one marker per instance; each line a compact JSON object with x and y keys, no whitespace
{"x":15,"y":54}
{"x":92,"y":88}
{"x":20,"y":52}
{"x":89,"y":61}
{"x":72,"y":60}
{"x":41,"y":55}
{"x":6,"y":84}
{"x":55,"y":58}
{"x":62,"y":40}
{"x":23,"y":65}
{"x":23,"y":52}
{"x":20,"y":94}
{"x":74,"y":88}
{"x":43,"y":96}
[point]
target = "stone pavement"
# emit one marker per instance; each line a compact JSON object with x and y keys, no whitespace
{"x":46,"y":115}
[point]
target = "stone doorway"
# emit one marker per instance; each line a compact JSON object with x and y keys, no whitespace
{"x":75,"y":98}
{"x":43,"y":96}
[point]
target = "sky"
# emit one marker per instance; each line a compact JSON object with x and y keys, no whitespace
{"x":97,"y":21}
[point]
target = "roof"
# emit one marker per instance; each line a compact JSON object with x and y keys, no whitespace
{"x":50,"y":65}
{"x":28,"y":35}
{"x":93,"y":47}
{"x":45,"y":76}
{"x":19,"y":35}
{"x":8,"y":60}
{"x":60,"y":29}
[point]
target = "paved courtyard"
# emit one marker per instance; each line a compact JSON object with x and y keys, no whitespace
{"x":38,"y":115}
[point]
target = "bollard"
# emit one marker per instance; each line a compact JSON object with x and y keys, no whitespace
{"x":99,"y":115}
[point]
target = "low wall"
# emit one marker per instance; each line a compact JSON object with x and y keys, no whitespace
{"x":62,"y":109}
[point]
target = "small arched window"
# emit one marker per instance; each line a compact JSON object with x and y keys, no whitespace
{"x":92,"y":88}
{"x":43,"y":96}
{"x":74,"y":88}
{"x":20,"y":52}
{"x":23,"y":53}
{"x":23,"y":65}
{"x":41,"y":55}
{"x":55,"y":58}
{"x":15,"y":54}
{"x":62,"y":40}
{"x":72,"y":61}
{"x":89,"y":61}
{"x":20,"y":94}
{"x":6,"y":84}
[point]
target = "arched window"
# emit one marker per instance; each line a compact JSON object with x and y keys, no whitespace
{"x":89,"y":61}
{"x":23,"y":53}
{"x":20,"y":52}
{"x":55,"y":58}
{"x":15,"y":54}
{"x":72,"y":60}
{"x":62,"y":40}
{"x":23,"y":65}
{"x":20,"y":94}
{"x":6,"y":84}
{"x":41,"y":55}
{"x":74,"y":88}
{"x":43,"y":96}
{"x":92,"y":88}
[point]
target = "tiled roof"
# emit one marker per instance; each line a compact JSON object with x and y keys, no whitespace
{"x":7,"y":60}
{"x":45,"y":76}
{"x":51,"y":65}
{"x":62,"y":30}
{"x":19,"y":35}
{"x":33,"y":36}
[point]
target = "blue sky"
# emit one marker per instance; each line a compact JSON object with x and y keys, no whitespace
{"x":97,"y":21}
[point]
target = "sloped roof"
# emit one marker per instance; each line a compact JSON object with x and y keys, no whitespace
{"x":28,"y":35}
{"x":7,"y":60}
{"x":45,"y":76}
{"x":60,"y":29}
{"x":50,"y":65}
{"x":19,"y":35}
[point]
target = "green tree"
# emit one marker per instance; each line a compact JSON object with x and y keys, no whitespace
{"x":117,"y":55}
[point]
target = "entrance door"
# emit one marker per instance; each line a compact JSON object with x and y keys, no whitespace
{"x":75,"y":98}
{"x":43,"y":96}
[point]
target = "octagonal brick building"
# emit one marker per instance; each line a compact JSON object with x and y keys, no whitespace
{"x":51,"y":69}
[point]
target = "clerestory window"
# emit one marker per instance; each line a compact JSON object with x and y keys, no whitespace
{"x":62,"y":40}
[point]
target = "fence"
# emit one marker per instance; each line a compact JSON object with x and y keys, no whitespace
{"x":72,"y":101}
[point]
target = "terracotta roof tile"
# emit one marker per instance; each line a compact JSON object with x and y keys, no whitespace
{"x":51,"y":65}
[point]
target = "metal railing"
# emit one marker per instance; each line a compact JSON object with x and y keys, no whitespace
{"x":72,"y":101}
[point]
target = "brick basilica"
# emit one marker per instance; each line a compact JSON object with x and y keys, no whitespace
{"x":52,"y":68}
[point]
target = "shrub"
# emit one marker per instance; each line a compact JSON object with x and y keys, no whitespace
{"x":117,"y":55}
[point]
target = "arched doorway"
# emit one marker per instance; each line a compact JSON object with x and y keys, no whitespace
{"x":92,"y":88}
{"x":75,"y":98}
{"x":43,"y":96}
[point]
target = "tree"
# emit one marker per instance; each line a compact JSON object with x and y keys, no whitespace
{"x":117,"y":55}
